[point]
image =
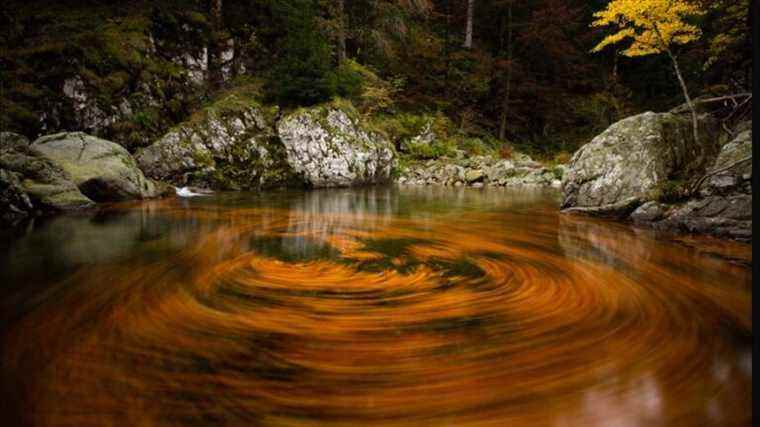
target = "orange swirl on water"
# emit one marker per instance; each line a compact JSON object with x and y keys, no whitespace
{"x":446,"y":321}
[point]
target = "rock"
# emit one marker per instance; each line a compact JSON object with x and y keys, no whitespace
{"x":723,"y":207}
{"x":488,"y":170}
{"x":14,"y":202}
{"x":743,"y":127}
{"x":10,"y":140}
{"x":633,"y":157}
{"x":720,"y":216}
{"x":617,"y":210}
{"x":734,"y":153}
{"x":102,"y":170}
{"x":223,"y":148}
{"x":329,"y":147}
{"x":87,"y":114}
{"x":425,"y":137}
{"x":649,"y":211}
{"x":472,"y":176}
{"x":30,"y":183}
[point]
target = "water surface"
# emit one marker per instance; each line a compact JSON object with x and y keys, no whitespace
{"x":382,"y":306}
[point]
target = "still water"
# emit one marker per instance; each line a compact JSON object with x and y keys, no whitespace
{"x":382,"y":306}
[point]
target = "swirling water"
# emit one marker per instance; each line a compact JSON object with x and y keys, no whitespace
{"x":382,"y":306}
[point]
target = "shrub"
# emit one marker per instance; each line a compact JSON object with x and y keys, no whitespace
{"x":437,"y":148}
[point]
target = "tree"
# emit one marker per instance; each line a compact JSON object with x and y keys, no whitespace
{"x":216,"y":45}
{"x":303,"y":74}
{"x":341,"y":16}
{"x":655,"y":26}
{"x":468,"y":31}
{"x":729,"y":50}
{"x":505,"y":102}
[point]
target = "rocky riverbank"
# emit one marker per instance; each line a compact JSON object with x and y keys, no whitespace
{"x":234,"y":144}
{"x":641,"y":170}
{"x":479,"y":171}
{"x":67,"y":171}
{"x":638,"y":170}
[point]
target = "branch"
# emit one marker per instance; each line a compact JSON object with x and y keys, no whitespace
{"x":682,"y":108}
{"x":701,"y":181}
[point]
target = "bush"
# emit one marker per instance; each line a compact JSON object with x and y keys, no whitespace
{"x":477,"y":147}
{"x":348,"y":81}
{"x":437,"y":148}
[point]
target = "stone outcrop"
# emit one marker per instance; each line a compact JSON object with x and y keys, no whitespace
{"x":231,"y":145}
{"x":478,"y":171}
{"x":623,"y":173}
{"x":723,"y":206}
{"x":102,"y":170}
{"x":330,"y":147}
{"x":633,"y":158}
{"x":30,"y":183}
{"x":66,"y":171}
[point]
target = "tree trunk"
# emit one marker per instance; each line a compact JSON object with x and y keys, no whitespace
{"x":215,"y":46}
{"x":341,"y":16}
{"x":468,"y":31}
{"x":237,"y":57}
{"x":694,"y":121}
{"x":505,"y":102}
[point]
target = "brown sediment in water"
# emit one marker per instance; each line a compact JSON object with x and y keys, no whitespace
{"x":318,"y":316}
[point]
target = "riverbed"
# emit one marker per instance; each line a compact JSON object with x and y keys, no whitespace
{"x":384,"y":306}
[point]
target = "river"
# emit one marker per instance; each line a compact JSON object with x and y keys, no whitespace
{"x":382,"y":306}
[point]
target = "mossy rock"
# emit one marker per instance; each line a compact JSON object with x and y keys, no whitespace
{"x":331,"y":146}
{"x":102,"y":170}
{"x":230,"y":144}
{"x":637,"y":156}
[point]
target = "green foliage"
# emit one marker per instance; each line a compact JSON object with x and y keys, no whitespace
{"x":435,"y":149}
{"x":479,"y":146}
{"x":304,"y":74}
{"x":404,"y":61}
{"x":348,"y":80}
{"x":370,"y":93}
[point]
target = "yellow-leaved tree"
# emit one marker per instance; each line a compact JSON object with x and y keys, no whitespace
{"x":652,"y":27}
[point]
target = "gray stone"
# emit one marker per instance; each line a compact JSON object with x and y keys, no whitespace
{"x":330,"y":147}
{"x":617,"y":210}
{"x":472,"y":176}
{"x":633,"y":157}
{"x":102,"y":170}
{"x":235,"y":150}
{"x":30,"y":183}
{"x":723,"y":207}
{"x":10,"y":140}
{"x":648,"y":212}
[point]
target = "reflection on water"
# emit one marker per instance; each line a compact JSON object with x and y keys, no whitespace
{"x":369,"y":307}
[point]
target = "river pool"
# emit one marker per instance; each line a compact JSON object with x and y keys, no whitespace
{"x":412,"y":306}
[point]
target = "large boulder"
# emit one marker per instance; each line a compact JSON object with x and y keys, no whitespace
{"x":14,"y":202}
{"x":230,"y":145}
{"x":102,"y":170}
{"x":723,"y":207}
{"x":31,"y":183}
{"x":632,"y":159}
{"x":329,"y":147}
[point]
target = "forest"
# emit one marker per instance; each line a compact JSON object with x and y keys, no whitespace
{"x":497,"y":72}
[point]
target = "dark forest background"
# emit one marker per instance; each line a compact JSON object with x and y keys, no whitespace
{"x":528,"y":79}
